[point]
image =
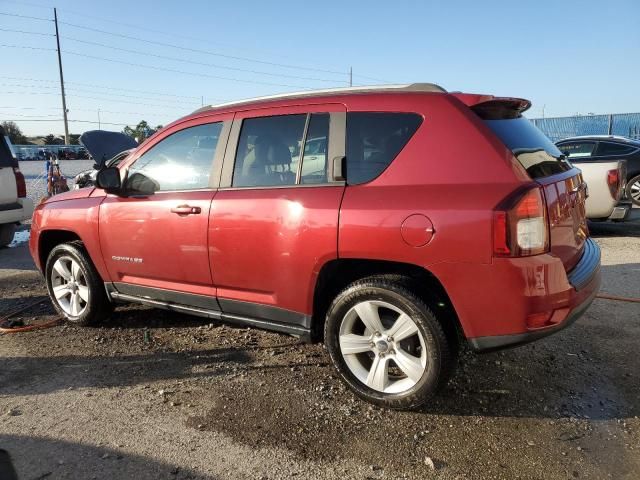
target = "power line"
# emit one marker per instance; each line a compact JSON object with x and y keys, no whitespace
{"x":105,"y":87}
{"x":192,"y":103}
{"x":206,"y":52}
{"x":6,"y":14}
{"x":213,"y":65}
{"x":26,"y":32}
{"x":153,"y":67}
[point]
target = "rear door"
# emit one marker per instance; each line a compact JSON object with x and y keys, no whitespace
{"x":8,"y":188}
{"x":564,"y":188}
{"x":274,"y":220}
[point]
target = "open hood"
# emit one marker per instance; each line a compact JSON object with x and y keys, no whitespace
{"x":104,"y":145}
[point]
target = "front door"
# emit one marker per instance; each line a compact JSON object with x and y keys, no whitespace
{"x":159,"y":242}
{"x":274,"y":221}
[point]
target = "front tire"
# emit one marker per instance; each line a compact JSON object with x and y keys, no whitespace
{"x":75,"y":287}
{"x":633,"y":190}
{"x":7,"y":232}
{"x":387,"y":345}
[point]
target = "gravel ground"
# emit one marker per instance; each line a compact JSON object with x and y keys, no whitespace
{"x":158,"y":395}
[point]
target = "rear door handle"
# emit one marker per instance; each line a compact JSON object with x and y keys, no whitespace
{"x":186,"y":210}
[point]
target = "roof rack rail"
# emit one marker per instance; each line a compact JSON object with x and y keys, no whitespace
{"x":411,"y":87}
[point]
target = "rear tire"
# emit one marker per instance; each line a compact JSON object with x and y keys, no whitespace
{"x":633,"y":190}
{"x":387,"y":345}
{"x":7,"y":232}
{"x":75,"y":287}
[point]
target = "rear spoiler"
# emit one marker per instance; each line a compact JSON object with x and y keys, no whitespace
{"x":489,"y":107}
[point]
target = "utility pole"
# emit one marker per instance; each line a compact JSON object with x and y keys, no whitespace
{"x":64,"y":101}
{"x":99,"y":120}
{"x":350,"y":75}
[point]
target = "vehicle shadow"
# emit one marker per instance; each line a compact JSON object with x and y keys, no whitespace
{"x":35,"y":457}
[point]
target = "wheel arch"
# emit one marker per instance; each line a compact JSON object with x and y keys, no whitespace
{"x":336,"y":274}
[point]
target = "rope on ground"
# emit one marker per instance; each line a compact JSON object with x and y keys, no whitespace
{"x":6,"y":330}
{"x":606,"y":296}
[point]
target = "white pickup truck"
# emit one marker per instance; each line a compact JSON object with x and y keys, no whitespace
{"x":605,"y":178}
{"x":15,"y":207}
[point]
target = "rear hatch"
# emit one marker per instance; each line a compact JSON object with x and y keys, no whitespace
{"x":564,"y":189}
{"x":8,"y":188}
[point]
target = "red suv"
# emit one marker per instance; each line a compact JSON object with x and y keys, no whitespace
{"x":392,"y":222}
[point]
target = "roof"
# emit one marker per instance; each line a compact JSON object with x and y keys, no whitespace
{"x":615,"y":138}
{"x":404,"y":88}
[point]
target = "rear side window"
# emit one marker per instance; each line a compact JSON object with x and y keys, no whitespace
{"x":608,"y":148}
{"x":535,"y":152}
{"x":578,"y":149}
{"x":374,"y":140}
{"x":7,"y":156}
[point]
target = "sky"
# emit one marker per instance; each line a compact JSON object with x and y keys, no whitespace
{"x":126,"y":61}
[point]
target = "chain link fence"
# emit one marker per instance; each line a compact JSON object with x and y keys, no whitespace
{"x":624,"y":124}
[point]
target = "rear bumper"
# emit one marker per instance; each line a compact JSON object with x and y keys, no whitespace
{"x":584,"y":281}
{"x":19,"y":211}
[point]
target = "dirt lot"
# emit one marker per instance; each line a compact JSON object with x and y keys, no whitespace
{"x":156,"y":395}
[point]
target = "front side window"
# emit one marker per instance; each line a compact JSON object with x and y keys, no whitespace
{"x":608,"y":148}
{"x":577,"y":149}
{"x":182,"y":161}
{"x":374,"y":140}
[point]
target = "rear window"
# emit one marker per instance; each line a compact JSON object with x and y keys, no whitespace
{"x":7,"y":156}
{"x":374,"y":140}
{"x":535,"y":152}
{"x":608,"y":148}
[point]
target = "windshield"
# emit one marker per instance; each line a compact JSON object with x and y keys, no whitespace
{"x":535,"y":152}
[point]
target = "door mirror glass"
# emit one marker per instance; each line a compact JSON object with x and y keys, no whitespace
{"x":139,"y":184}
{"x":109,"y":180}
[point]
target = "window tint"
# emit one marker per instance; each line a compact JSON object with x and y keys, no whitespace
{"x":182,"y":161}
{"x":314,"y":160}
{"x":608,"y":148}
{"x":374,"y":140}
{"x":268,"y":151}
{"x":577,"y":149}
{"x":535,"y":152}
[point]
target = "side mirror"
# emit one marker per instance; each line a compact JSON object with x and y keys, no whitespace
{"x":109,"y":180}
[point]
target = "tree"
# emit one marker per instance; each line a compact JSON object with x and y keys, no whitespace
{"x":141,"y":132}
{"x":51,"y":139}
{"x":14,"y":133}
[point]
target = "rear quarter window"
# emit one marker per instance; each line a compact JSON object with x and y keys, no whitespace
{"x":608,"y":148}
{"x":374,"y":139}
{"x":535,"y":152}
{"x":7,"y":155}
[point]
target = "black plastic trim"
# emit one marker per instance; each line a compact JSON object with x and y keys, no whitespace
{"x":168,"y":296}
{"x":243,"y":313}
{"x":10,"y":206}
{"x":587,"y":267}
{"x":267,"y":312}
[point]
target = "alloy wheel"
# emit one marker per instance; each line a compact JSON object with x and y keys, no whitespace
{"x":69,"y":286}
{"x":382,"y":346}
{"x":634,"y":191}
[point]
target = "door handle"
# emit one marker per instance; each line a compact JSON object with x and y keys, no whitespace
{"x":186,"y":210}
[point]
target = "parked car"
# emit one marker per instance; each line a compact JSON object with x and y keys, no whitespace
{"x":602,"y":148}
{"x":605,"y":178}
{"x":437,"y":218}
{"x":15,"y":207}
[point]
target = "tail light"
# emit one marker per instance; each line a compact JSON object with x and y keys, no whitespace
{"x":21,"y":186}
{"x":520,"y":225}
{"x":613,"y":180}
